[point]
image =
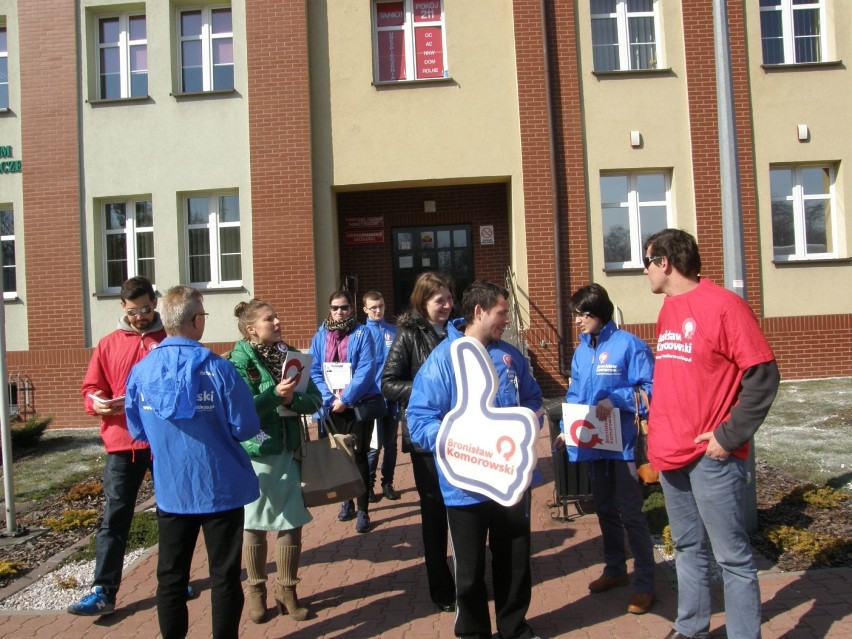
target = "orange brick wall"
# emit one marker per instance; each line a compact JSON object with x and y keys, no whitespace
{"x":476,"y":205}
{"x":281,"y":178}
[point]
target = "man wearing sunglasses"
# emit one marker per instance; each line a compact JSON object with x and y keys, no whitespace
{"x":715,"y":378}
{"x":139,"y":332}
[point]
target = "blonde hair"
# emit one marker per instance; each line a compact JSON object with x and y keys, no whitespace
{"x":247,"y":312}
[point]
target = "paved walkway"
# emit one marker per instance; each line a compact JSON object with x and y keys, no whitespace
{"x":374,"y":585}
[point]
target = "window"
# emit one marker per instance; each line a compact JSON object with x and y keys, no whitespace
{"x":4,"y":69}
{"x":408,"y":40}
{"x":634,"y":206}
{"x":129,"y":241}
{"x":792,"y":31}
{"x":213,"y":239}
{"x":7,"y":240}
{"x":624,"y":34}
{"x":803,"y":212}
{"x":206,"y":49}
{"x":122,"y":57}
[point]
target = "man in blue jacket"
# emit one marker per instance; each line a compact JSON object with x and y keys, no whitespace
{"x":471,"y":516}
{"x":194,"y":409}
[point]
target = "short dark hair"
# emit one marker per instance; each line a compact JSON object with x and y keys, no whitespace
{"x":679,"y":248}
{"x":483,"y":294}
{"x":593,"y":299}
{"x":136,"y":287}
{"x":372,"y":295}
{"x":341,"y":293}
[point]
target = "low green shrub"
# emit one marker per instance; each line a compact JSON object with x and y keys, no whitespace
{"x":821,"y":549}
{"x":71,"y":520}
{"x":10,"y":568}
{"x":655,"y":510}
{"x":143,"y":534}
{"x":84,"y":490}
{"x":27,"y":434}
{"x":824,"y":497}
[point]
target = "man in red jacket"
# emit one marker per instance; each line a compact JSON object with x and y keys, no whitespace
{"x":139,"y":332}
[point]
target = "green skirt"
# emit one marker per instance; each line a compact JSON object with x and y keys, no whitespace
{"x":280,"y":505}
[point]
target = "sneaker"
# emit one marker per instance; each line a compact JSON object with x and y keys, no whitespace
{"x":191,"y":593}
{"x":347,"y":511}
{"x":362,"y":524}
{"x":373,"y":498}
{"x":389,"y":492}
{"x":94,"y":604}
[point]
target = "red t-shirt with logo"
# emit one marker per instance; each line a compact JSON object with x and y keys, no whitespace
{"x":706,"y":340}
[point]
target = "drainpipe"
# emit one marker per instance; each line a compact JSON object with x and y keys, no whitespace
{"x":732,"y":221}
{"x":557,"y":253}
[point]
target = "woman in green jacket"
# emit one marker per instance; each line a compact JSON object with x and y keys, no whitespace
{"x":259,"y":358}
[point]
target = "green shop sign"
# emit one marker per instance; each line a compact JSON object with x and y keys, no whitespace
{"x":7,"y":165}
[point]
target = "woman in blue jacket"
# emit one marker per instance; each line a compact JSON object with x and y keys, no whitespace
{"x":342,"y":340}
{"x":607,"y":364}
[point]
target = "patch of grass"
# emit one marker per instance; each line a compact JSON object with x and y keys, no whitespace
{"x":71,"y":520}
{"x":143,"y":534}
{"x":655,"y":510}
{"x":824,"y":497}
{"x":10,"y":568}
{"x":823,"y":550}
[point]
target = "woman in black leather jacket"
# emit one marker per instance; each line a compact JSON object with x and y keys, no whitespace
{"x":419,"y":331}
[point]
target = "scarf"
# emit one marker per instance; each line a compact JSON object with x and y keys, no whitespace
{"x":336,"y":344}
{"x":271,"y":357}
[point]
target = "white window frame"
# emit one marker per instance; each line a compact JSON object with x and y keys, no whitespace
{"x":124,"y":46}
{"x":408,"y":29}
{"x":622,"y":16}
{"x":130,"y":231}
{"x":634,"y":207}
{"x":207,"y":38}
{"x":799,"y":200}
{"x":213,"y":226}
{"x":788,"y":11}
{"x":10,"y":295}
{"x":4,"y":53}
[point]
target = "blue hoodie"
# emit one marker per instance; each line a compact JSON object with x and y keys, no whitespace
{"x":359,"y":353}
{"x":434,"y":395}
{"x":610,"y":369}
{"x":194,"y":409}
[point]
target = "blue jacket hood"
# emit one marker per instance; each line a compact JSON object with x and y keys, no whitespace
{"x":172,"y":393}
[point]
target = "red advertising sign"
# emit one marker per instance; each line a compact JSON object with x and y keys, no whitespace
{"x":428,"y":54}
{"x":390,"y":14}
{"x":391,"y":55}
{"x":364,"y":237}
{"x":427,"y":10}
{"x":374,"y":222}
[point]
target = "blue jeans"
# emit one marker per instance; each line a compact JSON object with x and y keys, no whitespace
{"x":618,"y":503}
{"x":386,"y":438}
{"x":704,"y":502}
{"x":223,"y":538}
{"x":123,"y":475}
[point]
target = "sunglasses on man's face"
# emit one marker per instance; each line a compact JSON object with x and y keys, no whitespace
{"x":342,"y":307}
{"x":133,"y":312}
{"x":647,"y":261}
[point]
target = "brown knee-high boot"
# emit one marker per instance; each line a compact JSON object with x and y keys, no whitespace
{"x":287,"y":561}
{"x":254,"y":558}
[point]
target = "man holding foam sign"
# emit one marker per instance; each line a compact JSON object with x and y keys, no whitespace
{"x":472,"y":404}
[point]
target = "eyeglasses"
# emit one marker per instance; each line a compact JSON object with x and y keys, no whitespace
{"x":374,"y":309}
{"x":197,"y":314}
{"x":133,"y":312}
{"x":342,"y":307}
{"x":583,"y":314}
{"x":647,"y":261}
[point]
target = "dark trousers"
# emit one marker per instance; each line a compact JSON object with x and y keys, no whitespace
{"x":346,"y":424}
{"x":223,"y":538}
{"x":387,"y":429}
{"x":507,"y":532}
{"x":123,"y":475}
{"x":433,"y":521}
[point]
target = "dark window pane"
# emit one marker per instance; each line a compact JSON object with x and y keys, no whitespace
{"x":116,"y":247}
{"x":616,"y":228}
{"x":8,"y":248}
{"x":190,"y":23}
{"x":144,"y":245}
{"x":223,"y":77}
{"x":4,"y":69}
{"x":9,"y":280}
{"x":145,"y":268}
{"x":651,"y":220}
{"x":144,"y":213}
{"x":115,"y":216}
{"x":229,"y":208}
{"x":7,"y":222}
{"x":198,"y":209}
{"x":816,"y":226}
{"x":771,"y":33}
{"x":4,"y":43}
{"x":229,"y":240}
{"x":605,"y":44}
{"x":816,"y":180}
{"x":108,"y":30}
{"x":137,"y":28}
{"x":192,"y":72}
{"x":138,"y":84}
{"x":221,"y":19}
{"x":231,"y":269}
{"x":783,"y":236}
{"x":116,"y":274}
{"x":4,"y":96}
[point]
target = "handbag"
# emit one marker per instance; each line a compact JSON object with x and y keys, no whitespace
{"x":329,"y":472}
{"x":640,"y":451}
{"x":370,"y":409}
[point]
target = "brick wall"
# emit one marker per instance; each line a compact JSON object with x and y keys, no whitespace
{"x":281,"y":178}
{"x":477,"y":204}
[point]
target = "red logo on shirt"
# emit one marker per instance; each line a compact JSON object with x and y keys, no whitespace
{"x":507,"y":360}
{"x":603,"y":357}
{"x":688,"y":328}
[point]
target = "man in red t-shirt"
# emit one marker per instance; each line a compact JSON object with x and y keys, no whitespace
{"x":714,"y":381}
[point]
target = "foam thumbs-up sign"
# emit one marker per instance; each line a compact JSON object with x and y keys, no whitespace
{"x":482,"y":448}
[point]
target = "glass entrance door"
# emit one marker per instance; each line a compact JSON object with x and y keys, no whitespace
{"x":446,"y":249}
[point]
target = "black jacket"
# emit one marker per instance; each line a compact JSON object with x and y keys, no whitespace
{"x":415,"y":339}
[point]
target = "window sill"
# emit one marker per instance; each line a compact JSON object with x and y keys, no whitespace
{"x":819,"y":261}
{"x":626,"y":270}
{"x":213,"y":288}
{"x":5,"y":111}
{"x":134,"y":100}
{"x":408,"y":83}
{"x":204,"y":94}
{"x":802,"y":66}
{"x":12,"y":298}
{"x":629,"y":73}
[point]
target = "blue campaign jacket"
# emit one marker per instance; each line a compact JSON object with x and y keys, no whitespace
{"x":359,"y":353}
{"x":194,"y":409}
{"x":434,"y":395}
{"x":382,"y":335}
{"x":610,"y":370}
